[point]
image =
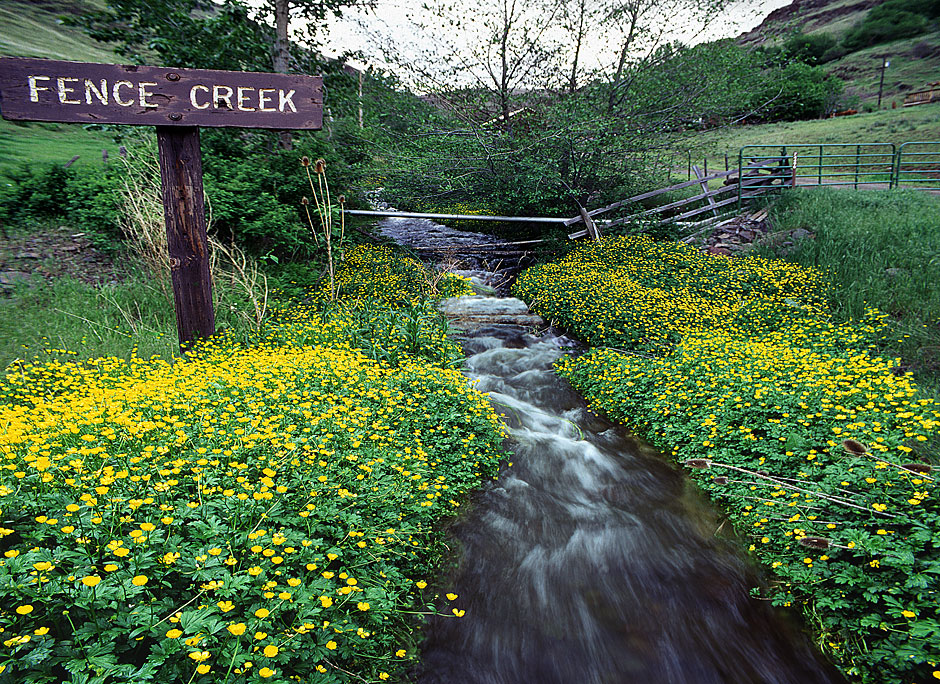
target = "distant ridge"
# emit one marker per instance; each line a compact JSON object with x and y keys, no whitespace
{"x":808,"y":16}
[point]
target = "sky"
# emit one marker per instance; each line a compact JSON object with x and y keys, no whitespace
{"x":352,"y":32}
{"x":364,"y":32}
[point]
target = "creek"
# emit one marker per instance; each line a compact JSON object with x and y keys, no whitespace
{"x":592,"y":559}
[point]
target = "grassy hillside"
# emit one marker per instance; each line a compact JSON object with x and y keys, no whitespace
{"x":808,"y":16}
{"x":42,"y":143}
{"x":890,"y":126}
{"x":914,"y":61}
{"x":32,"y":28}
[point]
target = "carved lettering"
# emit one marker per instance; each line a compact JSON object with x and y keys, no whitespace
{"x":34,"y":87}
{"x":242,"y":96}
{"x":285,"y":98}
{"x":218,"y":98}
{"x":192,"y":97}
{"x":264,"y":99}
{"x":65,"y":90}
{"x":143,"y":94}
{"x":101,"y":95}
{"x":116,"y":93}
{"x":50,"y":90}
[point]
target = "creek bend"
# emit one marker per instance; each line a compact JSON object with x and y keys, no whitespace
{"x":592,"y":559}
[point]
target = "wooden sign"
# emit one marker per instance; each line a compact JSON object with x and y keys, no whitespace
{"x":77,"y":92}
{"x":176,"y":101}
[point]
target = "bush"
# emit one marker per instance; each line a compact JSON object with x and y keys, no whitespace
{"x":255,"y":196}
{"x":87,"y":198}
{"x":889,"y":21}
{"x":923,"y":50}
{"x":796,"y":92}
{"x":38,"y":193}
{"x":810,"y":48}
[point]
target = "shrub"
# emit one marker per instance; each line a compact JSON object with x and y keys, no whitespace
{"x":87,"y":198}
{"x":810,"y":48}
{"x":797,"y":91}
{"x":923,"y":49}
{"x":892,"y":20}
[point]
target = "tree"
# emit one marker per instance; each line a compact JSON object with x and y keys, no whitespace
{"x":313,"y":13}
{"x":577,"y":17}
{"x":810,"y":48}
{"x":182,"y":33}
{"x":639,"y":28}
{"x":797,"y":91}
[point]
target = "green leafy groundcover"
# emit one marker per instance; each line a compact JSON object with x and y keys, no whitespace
{"x":818,"y":448}
{"x":261,"y":513}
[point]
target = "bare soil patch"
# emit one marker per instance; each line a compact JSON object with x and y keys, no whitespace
{"x":55,"y":253}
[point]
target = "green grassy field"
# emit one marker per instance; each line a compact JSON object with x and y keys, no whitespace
{"x":42,"y":143}
{"x":34,"y":29}
{"x":887,"y":126}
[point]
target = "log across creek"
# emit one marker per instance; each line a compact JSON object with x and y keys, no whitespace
{"x":592,"y":559}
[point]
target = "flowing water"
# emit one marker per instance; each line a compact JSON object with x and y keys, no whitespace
{"x":592,"y":559}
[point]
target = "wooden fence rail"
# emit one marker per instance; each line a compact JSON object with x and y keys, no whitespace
{"x":454,"y":217}
{"x":751,"y":185}
{"x":755,"y":180}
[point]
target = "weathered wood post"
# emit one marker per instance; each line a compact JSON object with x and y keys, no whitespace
{"x":176,"y":102}
{"x":187,"y":243}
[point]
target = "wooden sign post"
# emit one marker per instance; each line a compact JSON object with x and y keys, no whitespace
{"x":176,"y":102}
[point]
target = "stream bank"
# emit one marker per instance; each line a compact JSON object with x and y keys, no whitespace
{"x":592,"y":558}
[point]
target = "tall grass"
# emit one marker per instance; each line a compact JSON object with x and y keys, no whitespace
{"x":69,"y":319}
{"x":881,"y":249}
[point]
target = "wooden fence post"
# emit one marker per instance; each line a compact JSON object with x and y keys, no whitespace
{"x":187,"y":243}
{"x":590,"y":226}
{"x":704,"y":184}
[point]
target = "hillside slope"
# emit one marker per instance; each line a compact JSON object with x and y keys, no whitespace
{"x":32,"y":28}
{"x":808,"y":16}
{"x":913,"y":61}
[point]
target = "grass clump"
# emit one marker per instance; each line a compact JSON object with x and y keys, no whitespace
{"x":822,"y":451}
{"x":255,"y":512}
{"x":879,"y":249}
{"x":68,"y":319}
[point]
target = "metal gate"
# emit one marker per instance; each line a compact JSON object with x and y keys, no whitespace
{"x":918,"y":166}
{"x":867,"y":164}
